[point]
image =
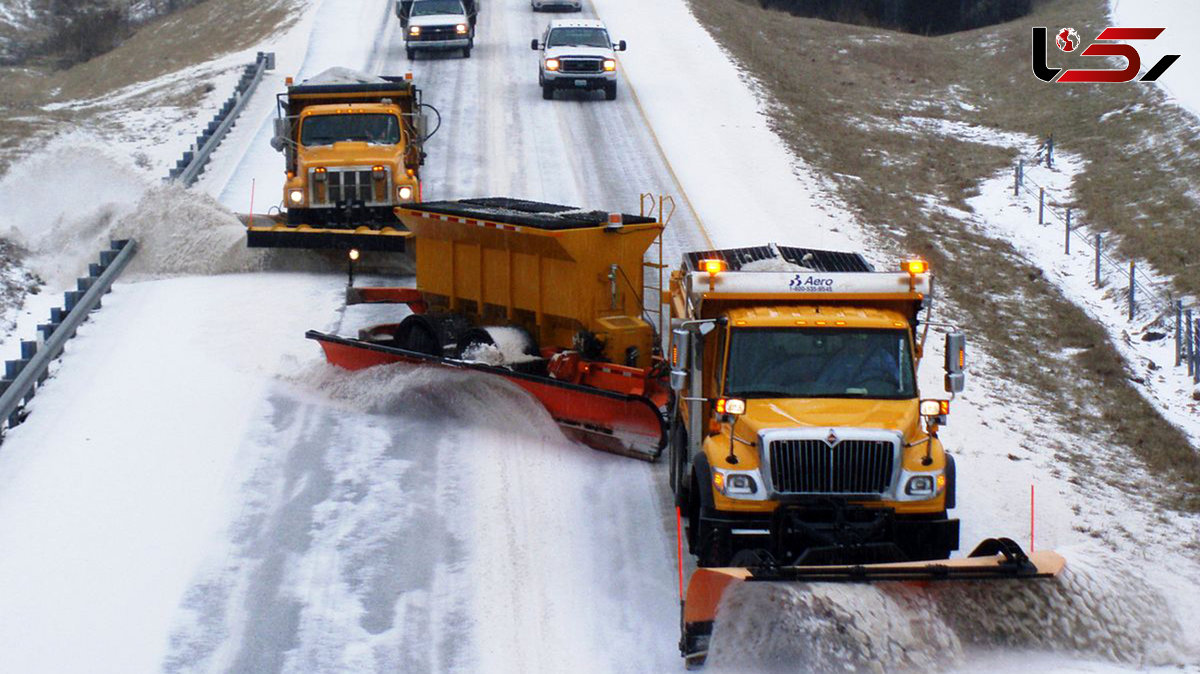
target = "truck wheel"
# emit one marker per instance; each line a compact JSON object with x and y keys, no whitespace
{"x":678,"y":463}
{"x":610,"y":91}
{"x":713,"y":547}
{"x":466,"y":52}
{"x":548,"y":92}
{"x":411,"y":53}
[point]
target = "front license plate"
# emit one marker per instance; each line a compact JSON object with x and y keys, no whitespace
{"x":581,"y":83}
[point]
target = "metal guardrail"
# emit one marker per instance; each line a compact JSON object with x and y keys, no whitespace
{"x":189,"y":168}
{"x":22,"y":377}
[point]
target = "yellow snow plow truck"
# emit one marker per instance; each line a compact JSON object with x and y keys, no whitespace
{"x":352,"y":146}
{"x":799,"y":445}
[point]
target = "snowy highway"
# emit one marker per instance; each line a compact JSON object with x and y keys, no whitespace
{"x":197,"y":491}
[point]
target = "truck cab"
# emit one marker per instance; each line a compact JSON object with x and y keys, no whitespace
{"x":437,"y":25}
{"x":577,"y":55}
{"x":799,"y":435}
{"x":352,"y":147}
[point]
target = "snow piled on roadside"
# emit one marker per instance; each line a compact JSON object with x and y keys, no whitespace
{"x":1088,"y":612}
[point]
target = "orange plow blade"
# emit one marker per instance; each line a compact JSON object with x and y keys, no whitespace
{"x":993,"y":559}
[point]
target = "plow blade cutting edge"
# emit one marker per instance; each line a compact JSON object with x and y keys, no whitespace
{"x":993,"y":559}
{"x":628,"y":425}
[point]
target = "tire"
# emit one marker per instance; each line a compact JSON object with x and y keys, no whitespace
{"x":430,"y":334}
{"x":411,"y":53}
{"x":548,"y":92}
{"x":677,"y":463}
{"x":466,"y":52}
{"x":713,"y":547}
{"x":610,"y":91}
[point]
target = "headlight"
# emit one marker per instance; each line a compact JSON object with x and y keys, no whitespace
{"x":610,"y":65}
{"x":405,"y":192}
{"x":414,"y":30}
{"x":740,"y":484}
{"x":296,"y":197}
{"x":461,"y":29}
{"x":919,"y":485}
{"x":551,"y":64}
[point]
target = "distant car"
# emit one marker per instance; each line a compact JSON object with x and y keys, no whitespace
{"x":437,"y":24}
{"x":577,"y":54}
{"x":574,"y":5}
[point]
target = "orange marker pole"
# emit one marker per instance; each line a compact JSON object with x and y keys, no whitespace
{"x":679,"y":549}
{"x":251,"y":224}
{"x":1031,"y":517}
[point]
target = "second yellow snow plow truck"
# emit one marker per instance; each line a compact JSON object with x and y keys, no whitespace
{"x":352,"y":145}
{"x":799,"y":446}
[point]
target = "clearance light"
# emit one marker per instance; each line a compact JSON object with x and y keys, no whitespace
{"x":377,"y":172}
{"x":414,"y":30}
{"x":296,"y":196}
{"x":941,"y":481}
{"x":404,"y":192}
{"x":719,"y":481}
{"x":610,"y":65}
{"x":915,"y":266}
{"x":288,"y":80}
{"x":935,"y":408}
{"x":734,"y":406}
{"x":461,"y":29}
{"x":408,"y":76}
{"x":411,"y":173}
{"x":319,"y":174}
{"x":713,"y":267}
{"x":675,"y":355}
{"x":551,"y":64}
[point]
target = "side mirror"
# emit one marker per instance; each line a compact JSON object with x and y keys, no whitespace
{"x":621,"y":46}
{"x":956,"y":362}
{"x":533,"y":44}
{"x":278,"y":143}
{"x":678,"y":380}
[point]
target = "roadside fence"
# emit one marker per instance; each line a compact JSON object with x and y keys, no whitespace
{"x":1181,"y":320}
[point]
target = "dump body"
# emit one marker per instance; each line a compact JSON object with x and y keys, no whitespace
{"x":352,"y":148}
{"x":562,"y":274}
{"x":831,"y":460}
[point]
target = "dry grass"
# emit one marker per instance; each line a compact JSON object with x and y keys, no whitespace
{"x":839,"y":93}
{"x":192,"y":36}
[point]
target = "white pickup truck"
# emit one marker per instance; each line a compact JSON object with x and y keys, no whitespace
{"x":437,"y":24}
{"x":577,"y":54}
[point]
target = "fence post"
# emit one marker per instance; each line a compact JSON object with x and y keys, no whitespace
{"x":1132,"y":284}
{"x":1050,"y":151}
{"x":1196,"y":353}
{"x":1041,"y":205}
{"x":1067,"y":236}
{"x":1097,"y":260}
{"x":1190,"y":348}
{"x":1178,"y":332}
{"x":1017,"y":177}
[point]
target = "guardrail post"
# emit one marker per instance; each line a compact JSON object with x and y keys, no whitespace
{"x":1097,"y":260}
{"x":1067,"y":237}
{"x":1132,"y":285}
{"x":1041,"y":205}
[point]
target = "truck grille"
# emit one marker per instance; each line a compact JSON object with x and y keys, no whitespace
{"x":437,"y":33}
{"x":849,"y":467}
{"x":581,"y":65}
{"x":347,"y":185}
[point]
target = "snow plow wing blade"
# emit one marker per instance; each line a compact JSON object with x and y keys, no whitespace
{"x":628,"y":425}
{"x":993,"y":559}
{"x":271,"y":231}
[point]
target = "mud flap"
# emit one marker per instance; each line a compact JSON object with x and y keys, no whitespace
{"x":628,"y":425}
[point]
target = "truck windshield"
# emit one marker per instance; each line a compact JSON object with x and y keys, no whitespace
{"x":578,"y":37}
{"x":819,"y":363}
{"x":330,"y":129}
{"x":430,"y":7}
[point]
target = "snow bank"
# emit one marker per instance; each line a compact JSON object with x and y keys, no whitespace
{"x":818,"y":628}
{"x":773,"y":264}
